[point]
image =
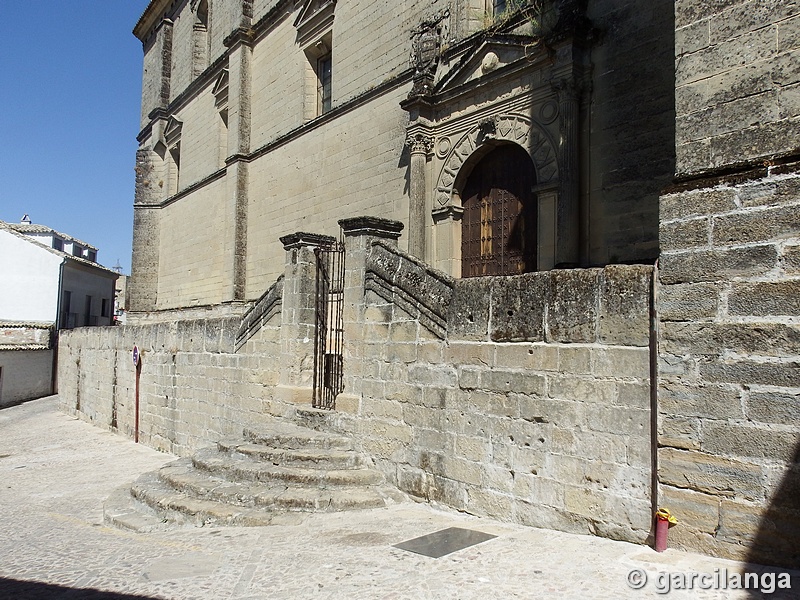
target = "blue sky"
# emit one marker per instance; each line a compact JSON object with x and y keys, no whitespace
{"x":70,"y":115}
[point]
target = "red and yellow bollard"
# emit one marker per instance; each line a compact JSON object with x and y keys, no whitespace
{"x":664,"y":521}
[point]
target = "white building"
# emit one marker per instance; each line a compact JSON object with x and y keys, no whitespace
{"x":49,"y":281}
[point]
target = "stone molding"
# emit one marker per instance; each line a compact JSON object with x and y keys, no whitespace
{"x":419,"y":290}
{"x":513,"y":128}
{"x":265,"y":308}
{"x":302,"y":239}
{"x":372,"y":226}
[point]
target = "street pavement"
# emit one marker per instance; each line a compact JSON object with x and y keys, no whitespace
{"x":55,"y":472}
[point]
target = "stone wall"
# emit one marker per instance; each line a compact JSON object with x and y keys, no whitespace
{"x":524,"y":398}
{"x":729,"y":372}
{"x":729,"y":393}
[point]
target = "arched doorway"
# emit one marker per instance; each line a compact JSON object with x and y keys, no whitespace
{"x":499,"y":225}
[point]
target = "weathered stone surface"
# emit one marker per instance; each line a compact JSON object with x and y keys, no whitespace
{"x":706,"y":401}
{"x":715,"y":265}
{"x":518,"y":307}
{"x":677,"y":235}
{"x":679,"y":432}
{"x":697,"y":203}
{"x":710,"y":474}
{"x":573,"y":306}
{"x":749,"y":441}
{"x":624,"y":316}
{"x":784,"y":374}
{"x":765,"y":298}
{"x":687,"y":302}
{"x":468,"y":313}
{"x":773,"y":407}
{"x":763,"y":339}
{"x":757,"y":226}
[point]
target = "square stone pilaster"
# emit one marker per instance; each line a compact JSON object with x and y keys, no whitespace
{"x":359,"y":235}
{"x":298,"y":316}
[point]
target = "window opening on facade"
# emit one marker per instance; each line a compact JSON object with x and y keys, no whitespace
{"x":499,"y":7}
{"x":58,"y":244}
{"x":200,"y":50}
{"x":499,"y":225}
{"x":324,"y":76}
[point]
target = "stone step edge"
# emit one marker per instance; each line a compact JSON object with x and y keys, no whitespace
{"x":278,"y":498}
{"x":231,"y":468}
{"x":294,"y":456}
{"x":178,"y":507}
{"x":295,"y":437}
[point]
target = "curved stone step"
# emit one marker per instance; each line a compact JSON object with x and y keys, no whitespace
{"x":237,"y":468}
{"x":312,"y":457}
{"x":294,"y":437}
{"x":179,"y":507}
{"x":185,"y":479}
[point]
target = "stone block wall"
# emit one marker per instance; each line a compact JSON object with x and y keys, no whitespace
{"x":729,"y":392}
{"x":194,"y":390}
{"x":520,"y":397}
{"x":729,"y":373}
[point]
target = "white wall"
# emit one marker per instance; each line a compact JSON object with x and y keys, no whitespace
{"x":28,"y":280}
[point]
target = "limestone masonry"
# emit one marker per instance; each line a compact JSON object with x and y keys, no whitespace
{"x":566,"y":288}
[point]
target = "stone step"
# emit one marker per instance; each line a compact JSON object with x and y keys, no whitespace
{"x":312,"y":457}
{"x":240,"y":468}
{"x":289,"y":436}
{"x":182,"y":477}
{"x":182,"y":508}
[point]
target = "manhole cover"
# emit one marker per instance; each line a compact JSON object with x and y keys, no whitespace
{"x":444,"y":542}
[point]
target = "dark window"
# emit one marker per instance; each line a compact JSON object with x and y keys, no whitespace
{"x":91,"y":255}
{"x":77,"y":250}
{"x":324,"y":76}
{"x":87,"y":314}
{"x":58,"y":244}
{"x":104,"y":307}
{"x":500,"y":7}
{"x":67,"y":319}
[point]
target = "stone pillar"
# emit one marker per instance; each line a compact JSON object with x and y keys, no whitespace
{"x":237,"y":185}
{"x":298,"y":317}
{"x":568,"y":212}
{"x":447,"y":239}
{"x":420,"y":146}
{"x":359,"y":235}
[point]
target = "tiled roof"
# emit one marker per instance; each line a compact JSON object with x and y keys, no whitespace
{"x":34,"y":228}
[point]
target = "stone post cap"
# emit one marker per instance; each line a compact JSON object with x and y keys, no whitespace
{"x":302,"y":239}
{"x":374,"y":226}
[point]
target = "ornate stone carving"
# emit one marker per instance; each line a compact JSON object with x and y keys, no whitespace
{"x":419,"y":143}
{"x":426,"y":43}
{"x":514,"y":128}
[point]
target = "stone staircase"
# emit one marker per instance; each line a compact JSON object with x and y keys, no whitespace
{"x":270,"y":476}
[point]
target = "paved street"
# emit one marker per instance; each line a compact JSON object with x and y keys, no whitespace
{"x":55,"y":472}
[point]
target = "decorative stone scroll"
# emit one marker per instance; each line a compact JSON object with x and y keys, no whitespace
{"x":513,"y":128}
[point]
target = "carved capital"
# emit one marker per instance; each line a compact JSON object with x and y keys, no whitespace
{"x":419,"y":143}
{"x":568,"y":89}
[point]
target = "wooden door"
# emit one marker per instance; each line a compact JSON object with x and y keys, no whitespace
{"x":500,"y":217}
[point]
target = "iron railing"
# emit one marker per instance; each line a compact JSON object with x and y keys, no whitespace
{"x":329,"y":330}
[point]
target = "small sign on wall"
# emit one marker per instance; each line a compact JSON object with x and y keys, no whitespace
{"x":136,"y":356}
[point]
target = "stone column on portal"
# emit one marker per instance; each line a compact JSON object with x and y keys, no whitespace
{"x":420,"y":146}
{"x":568,"y":211}
{"x":295,"y":383}
{"x":359,"y":235}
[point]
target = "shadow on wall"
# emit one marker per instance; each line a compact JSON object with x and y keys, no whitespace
{"x":777,"y":540}
{"x":34,"y":590}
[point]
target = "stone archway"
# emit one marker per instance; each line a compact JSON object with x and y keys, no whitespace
{"x":458,"y":162}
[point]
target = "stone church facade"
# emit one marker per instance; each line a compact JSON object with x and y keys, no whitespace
{"x":569,"y":233}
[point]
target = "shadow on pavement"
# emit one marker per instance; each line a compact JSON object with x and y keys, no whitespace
{"x":34,"y":590}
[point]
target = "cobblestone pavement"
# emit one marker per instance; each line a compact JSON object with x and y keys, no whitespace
{"x":55,"y":472}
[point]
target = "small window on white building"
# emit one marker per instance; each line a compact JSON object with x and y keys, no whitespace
{"x":58,"y":244}
{"x":91,"y":255}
